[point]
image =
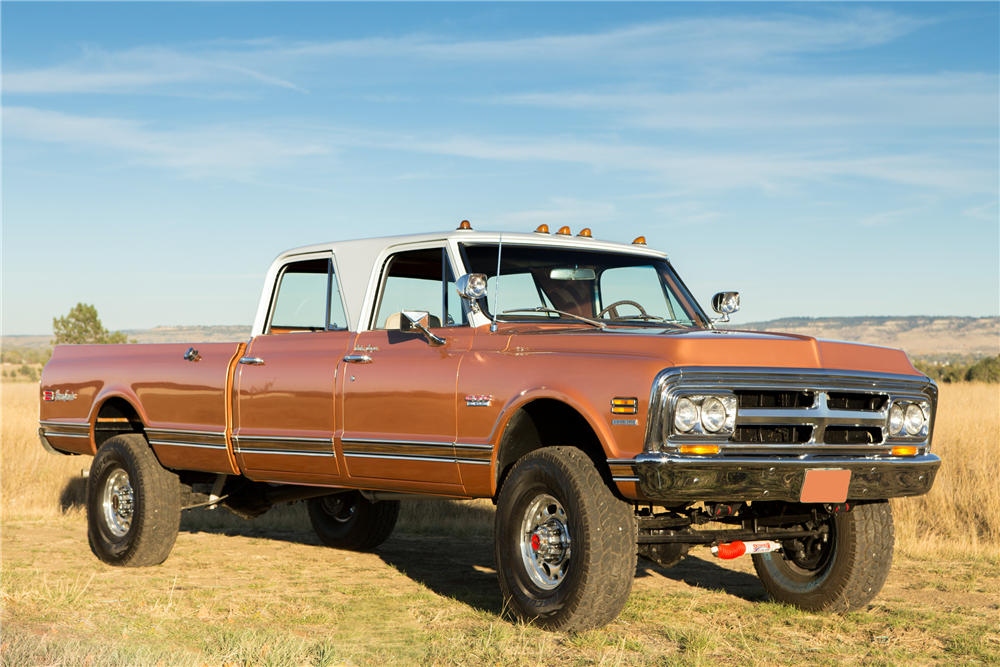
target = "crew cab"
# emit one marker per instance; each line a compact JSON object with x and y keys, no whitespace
{"x":575,"y":382}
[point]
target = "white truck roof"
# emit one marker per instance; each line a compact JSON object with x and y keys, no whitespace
{"x":358,"y":262}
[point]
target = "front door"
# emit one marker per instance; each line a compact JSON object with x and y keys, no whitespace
{"x":400,"y":410}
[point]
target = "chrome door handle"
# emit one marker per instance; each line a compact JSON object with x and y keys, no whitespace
{"x":358,"y":359}
{"x":253,"y":361}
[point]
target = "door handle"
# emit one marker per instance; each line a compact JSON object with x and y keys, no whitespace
{"x":253,"y":361}
{"x":358,"y":359}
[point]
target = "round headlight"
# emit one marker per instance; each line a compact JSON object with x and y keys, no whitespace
{"x":914,"y":420}
{"x":895,"y":419}
{"x":713,"y":415}
{"x":685,"y":415}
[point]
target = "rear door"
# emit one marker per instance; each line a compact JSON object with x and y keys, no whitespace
{"x":285,"y":401}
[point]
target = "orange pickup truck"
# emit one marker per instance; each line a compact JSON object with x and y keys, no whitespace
{"x":575,"y":382}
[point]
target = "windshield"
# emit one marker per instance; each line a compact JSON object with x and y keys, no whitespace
{"x":611,"y":287}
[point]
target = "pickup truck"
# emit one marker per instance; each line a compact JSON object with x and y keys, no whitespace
{"x":575,"y":382}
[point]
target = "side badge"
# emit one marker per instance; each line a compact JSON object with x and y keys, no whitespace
{"x":478,"y":401}
{"x":58,"y":396}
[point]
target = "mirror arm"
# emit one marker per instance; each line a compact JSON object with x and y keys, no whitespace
{"x":434,"y":340}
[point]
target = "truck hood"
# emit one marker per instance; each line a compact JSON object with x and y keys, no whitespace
{"x":708,"y":347}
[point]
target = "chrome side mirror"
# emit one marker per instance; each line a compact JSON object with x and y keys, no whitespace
{"x":725,"y":303}
{"x":411,"y":320}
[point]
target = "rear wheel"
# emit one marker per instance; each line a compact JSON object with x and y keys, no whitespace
{"x":350,"y":521}
{"x":564,"y":545}
{"x":133,"y":504}
{"x":844,"y":572}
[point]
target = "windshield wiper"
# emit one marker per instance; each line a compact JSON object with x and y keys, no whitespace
{"x":540,"y":309}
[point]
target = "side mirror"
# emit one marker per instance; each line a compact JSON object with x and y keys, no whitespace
{"x":418,"y":320}
{"x":725,"y":303}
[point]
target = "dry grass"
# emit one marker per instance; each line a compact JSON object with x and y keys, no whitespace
{"x":960,"y":515}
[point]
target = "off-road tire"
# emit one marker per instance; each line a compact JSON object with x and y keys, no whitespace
{"x":350,"y":521}
{"x":144,"y":533}
{"x":590,"y":587}
{"x":852,"y":572}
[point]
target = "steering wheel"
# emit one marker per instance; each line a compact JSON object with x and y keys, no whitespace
{"x":613,"y":309}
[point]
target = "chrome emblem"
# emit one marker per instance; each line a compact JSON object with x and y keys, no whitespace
{"x":58,"y":396}
{"x":478,"y":401}
{"x":366,"y":348}
{"x":624,"y":422}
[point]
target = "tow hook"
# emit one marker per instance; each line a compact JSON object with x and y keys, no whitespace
{"x":738,"y":548}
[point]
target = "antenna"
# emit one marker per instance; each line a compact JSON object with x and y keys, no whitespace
{"x":496,"y":288}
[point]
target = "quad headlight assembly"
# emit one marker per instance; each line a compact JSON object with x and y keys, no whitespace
{"x":909,"y":419}
{"x":701,"y":415}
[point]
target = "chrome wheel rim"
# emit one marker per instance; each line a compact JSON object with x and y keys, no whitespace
{"x":118,"y":502}
{"x":545,"y":542}
{"x":337,"y":508}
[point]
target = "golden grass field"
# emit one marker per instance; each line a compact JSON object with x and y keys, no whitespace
{"x":264,"y":592}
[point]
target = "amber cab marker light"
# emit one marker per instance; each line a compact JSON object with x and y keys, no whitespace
{"x":641,"y":240}
{"x":564,"y":231}
{"x":585,"y":232}
{"x":542,"y":229}
{"x":699,"y":449}
{"x":904,"y":451}
{"x":465,"y":226}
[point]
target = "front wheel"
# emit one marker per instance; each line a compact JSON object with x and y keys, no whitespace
{"x":350,"y":521}
{"x":133,"y":504}
{"x":844,"y":572}
{"x":564,"y":545}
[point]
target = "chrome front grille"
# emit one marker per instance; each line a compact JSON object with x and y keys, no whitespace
{"x":791,"y":412}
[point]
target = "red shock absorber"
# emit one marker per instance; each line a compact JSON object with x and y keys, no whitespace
{"x":737,"y":549}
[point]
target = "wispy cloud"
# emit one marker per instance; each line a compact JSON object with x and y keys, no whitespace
{"x":696,"y":43}
{"x":563,"y":211}
{"x":231,"y":151}
{"x":220,"y":152}
{"x":783,"y":103}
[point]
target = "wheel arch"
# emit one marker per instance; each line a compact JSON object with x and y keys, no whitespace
{"x":115,"y":413}
{"x":547,"y":421}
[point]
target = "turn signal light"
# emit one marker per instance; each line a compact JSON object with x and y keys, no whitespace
{"x":564,"y":231}
{"x":465,"y":225}
{"x":904,"y":451}
{"x":641,"y":240}
{"x":624,"y":406}
{"x":699,"y":449}
{"x":585,"y":232}
{"x":542,"y":229}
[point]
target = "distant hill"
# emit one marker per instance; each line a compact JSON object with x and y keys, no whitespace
{"x":918,"y":336}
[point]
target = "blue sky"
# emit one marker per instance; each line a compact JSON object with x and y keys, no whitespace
{"x":822,"y":159}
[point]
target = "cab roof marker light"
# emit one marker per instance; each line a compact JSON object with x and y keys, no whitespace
{"x":564,"y":231}
{"x":639,"y":240}
{"x":585,"y":233}
{"x":465,"y":226}
{"x":542,"y":229}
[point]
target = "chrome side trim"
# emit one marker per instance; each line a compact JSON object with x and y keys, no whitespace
{"x":66,"y":435}
{"x":55,"y":423}
{"x":435,"y":459}
{"x":179,"y":431}
{"x":175,"y":443}
{"x":423,"y":443}
{"x":286,"y":452}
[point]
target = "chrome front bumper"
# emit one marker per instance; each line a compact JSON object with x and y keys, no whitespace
{"x":720,"y":479}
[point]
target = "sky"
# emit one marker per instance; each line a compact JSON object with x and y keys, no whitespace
{"x":821,"y":159}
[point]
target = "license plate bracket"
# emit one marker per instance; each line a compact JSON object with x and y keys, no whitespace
{"x":825,"y":486}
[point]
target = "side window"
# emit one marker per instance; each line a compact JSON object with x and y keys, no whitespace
{"x":419,"y":280}
{"x":307,"y":298}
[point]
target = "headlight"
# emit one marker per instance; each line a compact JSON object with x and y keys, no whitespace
{"x":914,"y":420}
{"x":703,"y":415}
{"x":713,"y":414}
{"x":685,"y":415}
{"x":895,"y":419}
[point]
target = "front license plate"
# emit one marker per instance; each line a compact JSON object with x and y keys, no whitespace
{"x":825,"y":486}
